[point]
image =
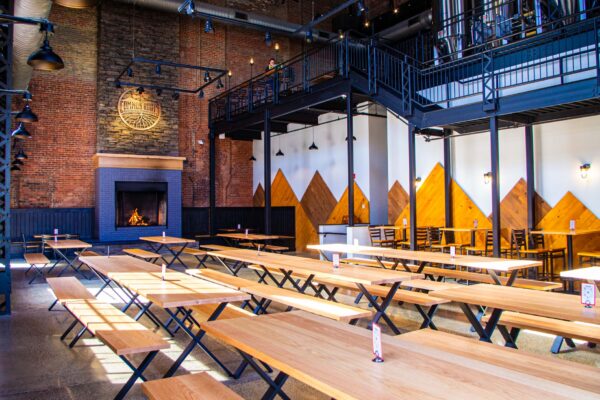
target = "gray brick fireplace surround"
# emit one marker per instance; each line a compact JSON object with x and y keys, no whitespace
{"x":112,"y":168}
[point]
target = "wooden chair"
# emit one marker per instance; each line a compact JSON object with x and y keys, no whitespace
{"x":588,"y":257}
{"x":435,"y":240}
{"x":520,"y":247}
{"x":558,"y":253}
{"x":488,"y":249}
{"x":422,"y":235}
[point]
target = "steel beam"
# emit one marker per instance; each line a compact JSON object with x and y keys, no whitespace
{"x":530,"y":165}
{"x":495,"y":157}
{"x":212,"y":186}
{"x":350,"y":143}
{"x":448,"y":178}
{"x":412,"y":189}
{"x":267,"y":166}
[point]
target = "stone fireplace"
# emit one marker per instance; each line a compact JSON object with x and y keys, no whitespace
{"x":137,"y":195}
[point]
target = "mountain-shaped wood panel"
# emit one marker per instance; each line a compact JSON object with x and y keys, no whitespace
{"x":397,"y":200}
{"x":318,"y":202}
{"x":513,"y":209}
{"x":568,"y":208}
{"x":339,"y":215}
{"x":258,"y":200}
{"x":541,"y":208}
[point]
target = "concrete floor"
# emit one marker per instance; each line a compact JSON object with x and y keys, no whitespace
{"x":35,"y":364}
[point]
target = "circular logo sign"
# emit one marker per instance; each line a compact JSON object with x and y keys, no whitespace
{"x":139,"y":111}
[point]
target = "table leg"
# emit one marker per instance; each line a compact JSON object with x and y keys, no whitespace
{"x":275,"y":386}
{"x":234,"y":268}
{"x":571,"y":283}
{"x":381,"y":308}
{"x":69,"y":264}
{"x":176,"y":255}
{"x":137,"y":373}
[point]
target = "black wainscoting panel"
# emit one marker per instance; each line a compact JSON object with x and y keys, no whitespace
{"x":31,"y":221}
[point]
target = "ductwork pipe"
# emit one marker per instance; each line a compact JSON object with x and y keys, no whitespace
{"x":27,"y":39}
{"x":408,"y":27}
{"x":232,"y":17}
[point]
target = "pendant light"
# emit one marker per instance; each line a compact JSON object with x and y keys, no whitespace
{"x":268,"y":39}
{"x":208,"y":26}
{"x":45,"y":59}
{"x":15,"y":168}
{"x":313,"y":146}
{"x":21,"y":155}
{"x":26,"y":115}
{"x":279,"y":152}
{"x":252,"y":158}
{"x":20,"y":132}
{"x":18,"y":162}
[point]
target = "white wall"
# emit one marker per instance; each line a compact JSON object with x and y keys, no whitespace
{"x":560,"y":148}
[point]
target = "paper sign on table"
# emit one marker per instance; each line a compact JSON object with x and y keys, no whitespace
{"x":164,"y":234}
{"x":475,"y":223}
{"x":588,"y":294}
{"x":452,"y":251}
{"x":258,"y":250}
{"x":55,"y":231}
{"x":336,"y":260}
{"x":239,"y":227}
{"x":404,"y":222}
{"x":164,"y":271}
{"x":377,"y":350}
{"x":572,"y":224}
{"x":246,"y":232}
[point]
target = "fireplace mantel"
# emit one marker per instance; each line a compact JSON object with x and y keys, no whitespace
{"x":107,"y":160}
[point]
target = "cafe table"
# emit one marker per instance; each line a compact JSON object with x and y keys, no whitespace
{"x":62,"y":247}
{"x":235,"y":238}
{"x":175,"y":294}
{"x":336,"y":359}
{"x":588,"y":274}
{"x":492,"y":265}
{"x":174,"y":245}
{"x":309,"y":269}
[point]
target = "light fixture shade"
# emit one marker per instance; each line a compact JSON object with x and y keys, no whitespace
{"x":220,"y":84}
{"x":45,"y":59}
{"x":268,"y":39}
{"x":206,"y":76}
{"x":15,"y":168}
{"x":20,"y":132}
{"x":309,"y":36}
{"x":26,"y":115}
{"x":201,"y":94}
{"x":487,"y":177}
{"x":313,"y":146}
{"x":129,"y":72}
{"x":353,"y":138}
{"x":158,"y":69}
{"x":208,"y":26}
{"x":18,"y":162}
{"x":21,"y":155}
{"x":252,"y":158}
{"x":279,"y":153}
{"x":76,"y":3}
{"x":583,"y":170}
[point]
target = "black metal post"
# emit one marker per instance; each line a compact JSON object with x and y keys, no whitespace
{"x":267,"y":166}
{"x":212,"y":172}
{"x":412,"y":189}
{"x":495,"y":149}
{"x":530,"y":160}
{"x":448,"y":177}
{"x":350,"y":140}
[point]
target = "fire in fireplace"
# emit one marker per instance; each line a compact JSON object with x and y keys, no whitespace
{"x":141,"y":204}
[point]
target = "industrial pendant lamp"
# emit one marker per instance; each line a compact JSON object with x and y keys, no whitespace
{"x":252,"y":158}
{"x":206,"y":76}
{"x":309,"y":36}
{"x":279,"y":152}
{"x":18,"y":162}
{"x":21,"y":132}
{"x":208,"y":26}
{"x":21,"y":155}
{"x":26,"y":115}
{"x":45,"y":59}
{"x":15,"y":168}
{"x":313,"y":146}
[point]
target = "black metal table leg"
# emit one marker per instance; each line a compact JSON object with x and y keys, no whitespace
{"x":137,"y":373}
{"x":381,"y":308}
{"x":275,"y":386}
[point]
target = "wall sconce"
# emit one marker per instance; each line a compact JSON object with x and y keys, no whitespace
{"x":583,"y":170}
{"x":418,"y":182}
{"x":487,"y":177}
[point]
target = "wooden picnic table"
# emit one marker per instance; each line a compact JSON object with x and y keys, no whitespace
{"x":174,"y":245}
{"x":51,"y":235}
{"x":292,"y":267}
{"x":588,"y":274}
{"x":251,"y":236}
{"x":501,"y":298}
{"x":403,"y":257}
{"x":61,"y":248}
{"x":175,"y":295}
{"x":335,"y":359}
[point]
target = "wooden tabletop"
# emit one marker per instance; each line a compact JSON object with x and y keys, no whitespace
{"x":567,"y":232}
{"x":464,"y":229}
{"x":67,"y":244}
{"x":320,"y":269}
{"x":584,"y":274}
{"x":335,"y":358}
{"x":544,"y":304}
{"x":250,"y":236}
{"x":145,"y":279}
{"x":166,"y":240}
{"x":490,"y":263}
{"x":41,"y":235}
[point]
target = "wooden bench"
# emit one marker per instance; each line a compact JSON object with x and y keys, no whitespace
{"x":230,"y":281}
{"x":68,"y":288}
{"x":216,"y":247}
{"x":145,"y":255}
{"x":418,"y":299}
{"x":199,"y":255}
{"x":118,"y":331}
{"x":568,"y":329}
{"x":86,"y":253}
{"x":37,"y":262}
{"x":461,"y":275}
{"x":200,"y":386}
{"x":248,"y":245}
{"x":590,"y":257}
{"x":276,"y":249}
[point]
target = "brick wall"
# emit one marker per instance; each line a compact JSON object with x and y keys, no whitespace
{"x":77,"y":105}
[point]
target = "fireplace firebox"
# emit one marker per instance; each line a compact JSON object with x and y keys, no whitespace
{"x":139,"y":204}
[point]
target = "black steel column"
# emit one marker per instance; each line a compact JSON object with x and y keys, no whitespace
{"x":350,"y":140}
{"x":448,"y":177}
{"x":530,"y":160}
{"x":495,"y":148}
{"x":267,"y":166}
{"x":412,"y":172}
{"x":212,"y":172}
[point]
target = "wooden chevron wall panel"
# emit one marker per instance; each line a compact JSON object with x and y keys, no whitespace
{"x":339,"y":215}
{"x":513,"y":209}
{"x":568,"y":208}
{"x":541,"y":208}
{"x":318,"y":202}
{"x":259,"y":197}
{"x":397,"y":200}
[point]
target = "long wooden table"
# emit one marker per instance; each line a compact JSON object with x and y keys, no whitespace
{"x":310,"y":269}
{"x":423,"y":258}
{"x":501,"y":298}
{"x":175,"y":295}
{"x":335,"y":359}
{"x":61,"y":248}
{"x":157,"y":243}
